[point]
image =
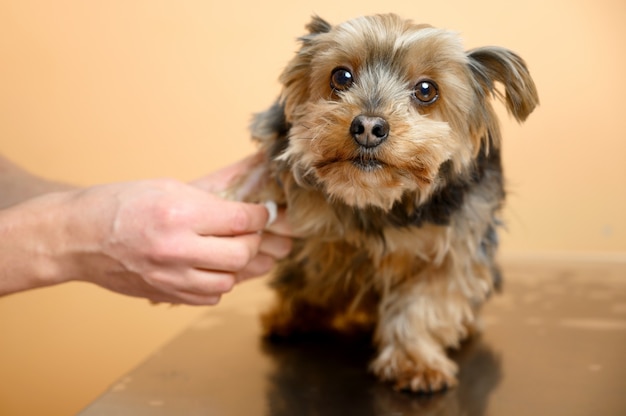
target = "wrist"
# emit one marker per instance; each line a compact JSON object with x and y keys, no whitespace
{"x":33,"y":242}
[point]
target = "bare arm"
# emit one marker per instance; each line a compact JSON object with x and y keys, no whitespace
{"x":160,"y":239}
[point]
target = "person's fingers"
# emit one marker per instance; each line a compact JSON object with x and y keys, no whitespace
{"x":192,"y":286}
{"x":225,"y":254}
{"x":259,"y":266}
{"x":201,"y":282}
{"x":232,"y":254}
{"x":227,"y":218}
{"x":195,"y":299}
{"x":275,"y":245}
{"x":206,"y":287}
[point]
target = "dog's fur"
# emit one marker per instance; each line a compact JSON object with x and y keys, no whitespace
{"x":398,"y":235}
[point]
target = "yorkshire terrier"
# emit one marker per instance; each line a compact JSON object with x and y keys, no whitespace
{"x":385,"y":148}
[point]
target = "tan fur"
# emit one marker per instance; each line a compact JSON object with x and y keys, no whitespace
{"x":406,"y":247}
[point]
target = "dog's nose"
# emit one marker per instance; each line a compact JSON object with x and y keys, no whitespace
{"x":369,"y":131}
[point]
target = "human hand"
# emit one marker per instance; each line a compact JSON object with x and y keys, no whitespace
{"x":160,"y":239}
{"x":221,"y":179}
{"x":168,"y":241}
{"x":163,"y":240}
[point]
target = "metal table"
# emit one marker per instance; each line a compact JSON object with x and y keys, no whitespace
{"x":554,"y":344}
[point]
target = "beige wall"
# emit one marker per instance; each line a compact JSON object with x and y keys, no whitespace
{"x":117,"y":90}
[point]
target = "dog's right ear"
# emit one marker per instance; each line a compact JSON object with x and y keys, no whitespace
{"x":318,"y":25}
{"x":295,"y":77}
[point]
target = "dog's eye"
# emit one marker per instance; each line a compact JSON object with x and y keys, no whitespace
{"x":341,"y":79}
{"x":426,"y":92}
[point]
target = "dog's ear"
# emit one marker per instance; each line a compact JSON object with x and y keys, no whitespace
{"x":295,"y":77}
{"x":493,"y":64}
{"x":318,"y":25}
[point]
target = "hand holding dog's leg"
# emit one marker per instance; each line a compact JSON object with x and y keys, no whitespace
{"x":163,"y":240}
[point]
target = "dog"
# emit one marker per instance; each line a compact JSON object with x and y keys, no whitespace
{"x":385,"y":148}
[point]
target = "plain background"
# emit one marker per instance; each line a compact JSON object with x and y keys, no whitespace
{"x":116,"y":90}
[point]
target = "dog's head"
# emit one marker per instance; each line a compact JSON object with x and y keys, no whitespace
{"x":378,"y":105}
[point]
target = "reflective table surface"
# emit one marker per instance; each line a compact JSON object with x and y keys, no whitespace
{"x":554,"y":343}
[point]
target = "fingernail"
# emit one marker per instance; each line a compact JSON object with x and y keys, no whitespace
{"x":272,"y":209}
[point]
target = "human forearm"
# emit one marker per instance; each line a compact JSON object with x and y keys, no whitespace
{"x":30,"y":242}
{"x":159,"y":239}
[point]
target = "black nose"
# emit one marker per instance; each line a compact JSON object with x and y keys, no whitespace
{"x":369,"y":131}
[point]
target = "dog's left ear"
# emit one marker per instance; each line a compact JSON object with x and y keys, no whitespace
{"x":493,"y":64}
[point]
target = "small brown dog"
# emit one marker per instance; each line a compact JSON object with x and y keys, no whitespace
{"x":386,"y":150}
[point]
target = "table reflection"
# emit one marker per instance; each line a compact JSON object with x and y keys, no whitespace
{"x":327,"y":375}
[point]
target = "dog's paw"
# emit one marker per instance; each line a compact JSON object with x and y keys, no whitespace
{"x":411,"y":371}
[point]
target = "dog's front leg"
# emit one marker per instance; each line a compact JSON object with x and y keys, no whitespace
{"x":419,"y":320}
